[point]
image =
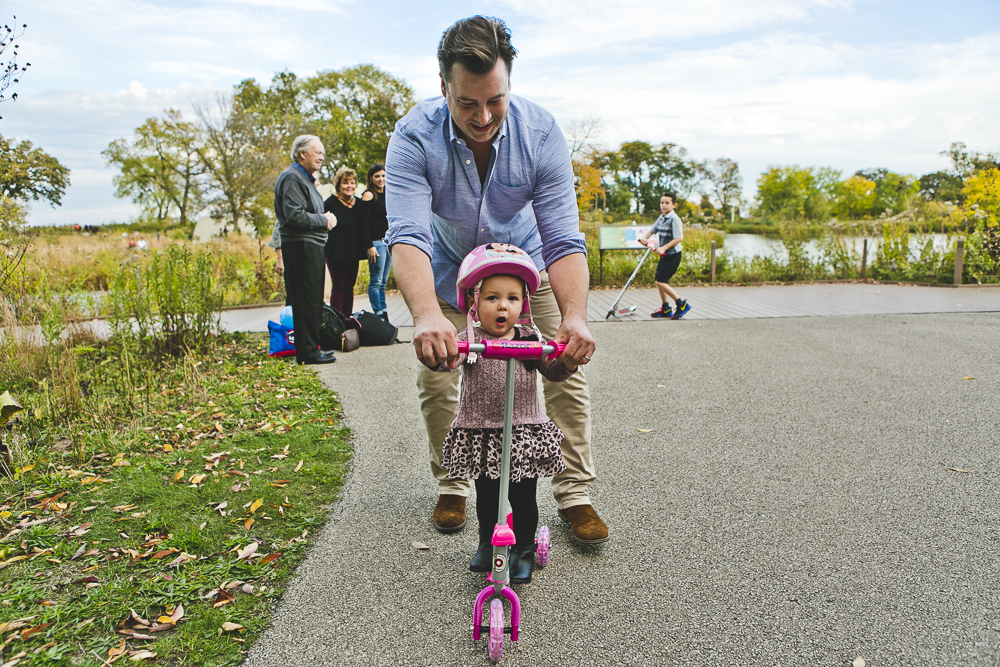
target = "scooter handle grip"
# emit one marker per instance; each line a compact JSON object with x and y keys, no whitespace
{"x":512,"y":349}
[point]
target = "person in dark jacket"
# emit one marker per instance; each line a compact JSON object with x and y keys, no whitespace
{"x":378,"y":225}
{"x":302,"y":227}
{"x":348,"y":243}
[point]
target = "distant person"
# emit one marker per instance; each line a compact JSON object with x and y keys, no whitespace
{"x":302,"y":228}
{"x":670,"y":232}
{"x":347,"y":243}
{"x":378,"y":226}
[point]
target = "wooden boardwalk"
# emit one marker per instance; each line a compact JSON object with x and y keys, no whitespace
{"x":722,"y":303}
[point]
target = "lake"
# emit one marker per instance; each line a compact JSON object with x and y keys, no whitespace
{"x":757,"y":245}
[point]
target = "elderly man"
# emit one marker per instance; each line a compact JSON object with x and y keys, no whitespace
{"x":476,"y":166}
{"x":302,"y":228}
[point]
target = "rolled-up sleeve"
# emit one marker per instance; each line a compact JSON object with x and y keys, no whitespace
{"x":408,"y":193}
{"x":554,"y":201}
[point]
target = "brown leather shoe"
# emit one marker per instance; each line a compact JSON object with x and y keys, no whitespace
{"x":587,"y":526}
{"x":449,"y":513}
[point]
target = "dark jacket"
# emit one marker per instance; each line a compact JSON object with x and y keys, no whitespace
{"x":298,"y":207}
{"x":349,"y":240}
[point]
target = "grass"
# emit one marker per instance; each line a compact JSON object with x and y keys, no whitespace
{"x":149,"y":532}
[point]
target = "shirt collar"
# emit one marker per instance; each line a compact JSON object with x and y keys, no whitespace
{"x":304,"y":171}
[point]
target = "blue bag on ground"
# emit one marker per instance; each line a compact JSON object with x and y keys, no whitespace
{"x":282,"y":340}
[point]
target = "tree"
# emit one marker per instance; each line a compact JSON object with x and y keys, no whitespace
{"x":857,"y":198}
{"x":797,"y":193}
{"x":645,"y":172}
{"x":162,"y":169}
{"x":941,"y":186}
{"x":966,"y":164}
{"x":242,"y":157}
{"x":581,"y":137}
{"x":590,"y":191}
{"x":28,"y":173}
{"x":723,"y":183}
{"x":11,"y":70}
{"x":892,"y":191}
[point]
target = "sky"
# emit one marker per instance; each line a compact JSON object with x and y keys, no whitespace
{"x":821,"y":83}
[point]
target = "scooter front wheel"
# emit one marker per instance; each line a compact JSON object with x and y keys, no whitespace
{"x":495,"y":643}
{"x":542,"y":547}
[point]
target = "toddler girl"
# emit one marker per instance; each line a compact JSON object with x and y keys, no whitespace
{"x":494,"y":284}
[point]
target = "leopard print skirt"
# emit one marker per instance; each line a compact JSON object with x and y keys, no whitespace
{"x":471,"y":453}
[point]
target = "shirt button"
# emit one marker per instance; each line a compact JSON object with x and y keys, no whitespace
{"x":468,"y":162}
{"x":483,"y":229}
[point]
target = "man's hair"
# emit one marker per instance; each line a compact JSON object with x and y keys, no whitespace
{"x":343,"y":174}
{"x":477,"y":43}
{"x":300,"y":144}
{"x":673,"y":197}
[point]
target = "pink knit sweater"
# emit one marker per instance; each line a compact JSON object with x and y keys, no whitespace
{"x":484,"y":382}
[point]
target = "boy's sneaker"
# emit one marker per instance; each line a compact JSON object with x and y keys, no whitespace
{"x":682,"y":310}
{"x":660,"y":313}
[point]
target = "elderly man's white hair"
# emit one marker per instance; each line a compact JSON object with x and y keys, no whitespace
{"x":300,"y":144}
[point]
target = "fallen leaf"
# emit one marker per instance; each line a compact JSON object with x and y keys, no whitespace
{"x":160,"y":627}
{"x":644,"y":430}
{"x":165,"y":552}
{"x":298,"y":467}
{"x":958,"y":470}
{"x":270,"y":558}
{"x":177,"y":614}
{"x":179,"y":476}
{"x":222,"y":598}
{"x":138,"y":619}
{"x":79,"y":552}
{"x":141,"y":655}
{"x":82,"y":529}
{"x":196,"y":479}
{"x":249,"y":523}
{"x":229,"y":627}
{"x":256,"y":505}
{"x":87,"y":580}
{"x":167,"y":447}
{"x":419,"y":546}
{"x":247,"y":551}
{"x":117,"y":651}
{"x":661,"y":386}
{"x":38,"y":628}
{"x":969,"y":378}
{"x":280,"y":484}
{"x":247,"y":588}
{"x":858,"y":662}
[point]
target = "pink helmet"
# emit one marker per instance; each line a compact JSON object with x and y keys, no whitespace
{"x":493,"y":259}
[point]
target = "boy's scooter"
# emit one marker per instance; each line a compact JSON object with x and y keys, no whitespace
{"x":503,"y":533}
{"x":622,"y":312}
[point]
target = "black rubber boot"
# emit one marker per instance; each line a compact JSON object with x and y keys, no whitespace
{"x":522,"y":564}
{"x":483,"y":560}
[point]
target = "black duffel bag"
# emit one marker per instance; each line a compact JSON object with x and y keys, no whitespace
{"x":373,"y":329}
{"x":337,"y":332}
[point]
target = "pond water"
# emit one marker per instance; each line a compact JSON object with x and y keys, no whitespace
{"x":758,"y":245}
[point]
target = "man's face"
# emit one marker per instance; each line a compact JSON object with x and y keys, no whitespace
{"x":478,"y":103}
{"x":312,"y":157}
{"x":666,"y":205}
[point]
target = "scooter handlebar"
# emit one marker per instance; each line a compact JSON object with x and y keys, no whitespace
{"x":512,"y":349}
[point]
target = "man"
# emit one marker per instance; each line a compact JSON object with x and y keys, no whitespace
{"x":301,"y":231}
{"x":477,"y":166}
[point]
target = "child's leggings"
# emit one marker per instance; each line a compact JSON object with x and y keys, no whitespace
{"x":523,"y":506}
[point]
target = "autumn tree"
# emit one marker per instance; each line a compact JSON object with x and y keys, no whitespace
{"x":893,"y":192}
{"x":162,"y":168}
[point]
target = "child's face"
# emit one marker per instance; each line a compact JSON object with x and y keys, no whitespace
{"x":501,"y":299}
{"x":666,"y":205}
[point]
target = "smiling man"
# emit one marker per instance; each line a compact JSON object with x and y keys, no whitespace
{"x":475,"y":166}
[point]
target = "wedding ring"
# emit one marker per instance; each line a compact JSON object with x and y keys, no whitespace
{"x":586,"y":357}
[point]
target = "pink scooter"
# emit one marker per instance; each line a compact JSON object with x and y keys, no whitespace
{"x":503,"y":533}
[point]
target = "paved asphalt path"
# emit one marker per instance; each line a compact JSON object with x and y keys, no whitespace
{"x":811,"y":490}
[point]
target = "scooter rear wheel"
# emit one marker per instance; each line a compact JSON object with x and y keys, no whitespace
{"x":495,"y":643}
{"x":542,"y":547}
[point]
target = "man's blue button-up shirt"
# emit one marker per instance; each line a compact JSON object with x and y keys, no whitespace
{"x":435,"y":201}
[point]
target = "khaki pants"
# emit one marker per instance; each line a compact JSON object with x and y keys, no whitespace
{"x":566,"y":403}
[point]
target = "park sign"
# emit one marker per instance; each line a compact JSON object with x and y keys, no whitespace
{"x":621,"y":237}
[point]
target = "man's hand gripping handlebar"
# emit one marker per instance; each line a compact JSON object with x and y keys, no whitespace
{"x":512,"y":349}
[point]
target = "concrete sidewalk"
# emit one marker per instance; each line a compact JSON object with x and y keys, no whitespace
{"x":806,"y":300}
{"x":810,"y":490}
